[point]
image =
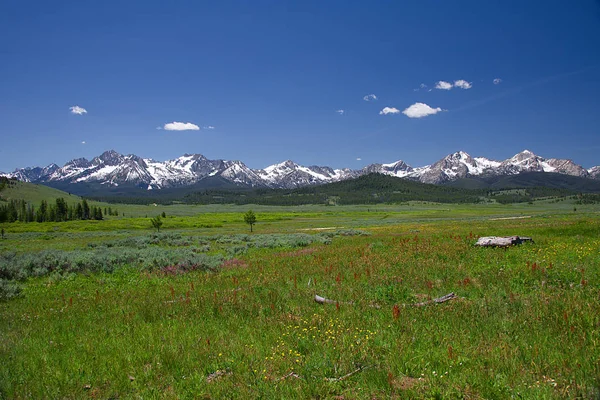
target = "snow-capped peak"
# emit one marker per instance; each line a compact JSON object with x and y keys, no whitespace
{"x":113,"y":168}
{"x":286,"y":165}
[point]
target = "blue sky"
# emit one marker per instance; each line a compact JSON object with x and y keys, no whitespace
{"x":264,"y":81}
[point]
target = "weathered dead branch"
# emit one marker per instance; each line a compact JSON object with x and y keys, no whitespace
{"x":341,"y":378}
{"x":448,"y":297}
{"x":290,"y":375}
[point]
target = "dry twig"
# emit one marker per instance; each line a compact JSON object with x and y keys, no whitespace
{"x":217,"y":374}
{"x":290,"y":375}
{"x":341,"y":378}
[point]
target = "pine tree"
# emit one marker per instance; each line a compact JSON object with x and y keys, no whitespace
{"x":86,"y":209}
{"x":3,"y":216}
{"x":61,"y":210}
{"x":78,"y":211}
{"x":23,"y":211}
{"x":42,"y":212}
{"x":98,"y":214}
{"x":13,"y":214}
{"x":52,"y":216}
{"x":30,"y":213}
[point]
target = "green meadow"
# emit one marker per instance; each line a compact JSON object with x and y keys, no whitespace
{"x":206,"y":309}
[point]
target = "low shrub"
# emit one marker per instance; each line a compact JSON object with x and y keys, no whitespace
{"x":9,"y":290}
{"x":20,"y":267}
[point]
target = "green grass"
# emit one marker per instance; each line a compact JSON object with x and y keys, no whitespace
{"x":526,"y":324}
{"x":229,"y":218}
{"x":35,"y":193}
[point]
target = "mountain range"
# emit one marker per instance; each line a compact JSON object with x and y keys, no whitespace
{"x":111,"y":169}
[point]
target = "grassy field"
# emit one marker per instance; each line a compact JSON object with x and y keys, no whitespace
{"x":35,"y":193}
{"x":207,"y":310}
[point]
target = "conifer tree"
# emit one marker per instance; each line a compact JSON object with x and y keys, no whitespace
{"x":30,"y":213}
{"x":23,"y":211}
{"x":78,"y":211}
{"x":86,"y":209}
{"x":42,"y":212}
{"x":61,"y":210}
{"x":52,"y":216}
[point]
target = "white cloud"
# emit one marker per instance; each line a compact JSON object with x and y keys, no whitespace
{"x":497,"y":81}
{"x":420,"y":110}
{"x":208,"y":127}
{"x":443,"y":85}
{"x":370,"y":97}
{"x":461,"y":83}
{"x":83,"y":142}
{"x":389,"y":110}
{"x":78,"y":110}
{"x":421,"y":86}
{"x":341,"y":112}
{"x":181,"y":126}
{"x":358,"y":159}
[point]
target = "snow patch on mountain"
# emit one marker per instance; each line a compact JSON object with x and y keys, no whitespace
{"x":594,"y":172}
{"x":112,"y":168}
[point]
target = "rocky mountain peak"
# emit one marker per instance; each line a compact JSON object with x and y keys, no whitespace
{"x":594,"y":172}
{"x":114,"y":169}
{"x":78,"y":163}
{"x":523,"y":156}
{"x":109,"y":157}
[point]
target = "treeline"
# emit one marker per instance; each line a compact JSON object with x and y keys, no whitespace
{"x":367,"y":189}
{"x":529,"y":194}
{"x":6,"y":182}
{"x":59,"y":211}
{"x":267,"y":197}
{"x":588,"y":198}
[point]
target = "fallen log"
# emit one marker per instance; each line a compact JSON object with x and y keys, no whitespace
{"x":323,"y":300}
{"x":447,"y":297}
{"x":501,"y":241}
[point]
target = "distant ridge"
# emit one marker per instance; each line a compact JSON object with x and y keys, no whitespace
{"x":115,"y":172}
{"x":529,"y":180}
